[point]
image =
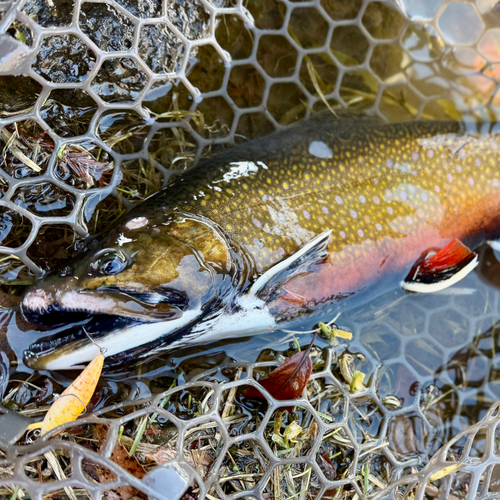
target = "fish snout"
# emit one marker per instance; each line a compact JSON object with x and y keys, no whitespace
{"x":36,"y":300}
{"x":37,"y":303}
{"x":42,"y":308}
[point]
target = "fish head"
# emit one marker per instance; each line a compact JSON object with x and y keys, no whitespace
{"x":147,"y":278}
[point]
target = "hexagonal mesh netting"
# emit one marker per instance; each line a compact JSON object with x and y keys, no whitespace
{"x":207,"y":437}
{"x":101,"y":102}
{"x":111,"y":98}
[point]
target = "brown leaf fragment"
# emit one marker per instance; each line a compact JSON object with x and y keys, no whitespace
{"x":288,"y":380}
{"x":327,"y":463}
{"x":113,"y":495}
{"x":161,"y":456}
{"x":200,"y":460}
{"x":97,"y":472}
{"x":121,"y":457}
{"x":9,"y":301}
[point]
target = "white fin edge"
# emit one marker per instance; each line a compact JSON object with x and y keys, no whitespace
{"x":494,"y":244}
{"x":323,"y":238}
{"x":414,"y":286}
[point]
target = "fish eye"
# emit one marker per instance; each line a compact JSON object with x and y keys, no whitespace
{"x":109,"y":262}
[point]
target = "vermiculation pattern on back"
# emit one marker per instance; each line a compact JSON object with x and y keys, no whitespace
{"x":363,"y":179}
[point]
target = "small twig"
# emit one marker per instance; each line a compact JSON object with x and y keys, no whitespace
{"x":56,"y":467}
{"x":240,"y":476}
{"x":314,"y":80}
{"x":231,"y":396}
{"x":316,"y":330}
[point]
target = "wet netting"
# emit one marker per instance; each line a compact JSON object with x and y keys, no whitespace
{"x":101,"y":103}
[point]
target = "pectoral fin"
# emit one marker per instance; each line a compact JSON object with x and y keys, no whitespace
{"x":437,"y":271}
{"x":495,"y":246}
{"x":313,"y":252}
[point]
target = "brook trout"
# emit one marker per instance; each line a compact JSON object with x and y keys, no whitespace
{"x":284,"y":227}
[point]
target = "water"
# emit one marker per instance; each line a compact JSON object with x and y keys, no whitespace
{"x":440,"y":350}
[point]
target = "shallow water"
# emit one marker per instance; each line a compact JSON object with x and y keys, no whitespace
{"x":439,"y":351}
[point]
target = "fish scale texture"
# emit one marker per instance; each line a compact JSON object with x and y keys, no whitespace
{"x":101,"y":102}
{"x":293,"y":192}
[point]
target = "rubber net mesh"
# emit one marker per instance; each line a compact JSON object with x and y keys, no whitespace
{"x":101,"y":102}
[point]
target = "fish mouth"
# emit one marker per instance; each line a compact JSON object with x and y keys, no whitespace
{"x":48,"y":309}
{"x":119,"y":339}
{"x":50,"y":352}
{"x":117,"y":323}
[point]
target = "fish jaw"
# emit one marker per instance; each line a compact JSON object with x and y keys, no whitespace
{"x":252,"y":317}
{"x":75,"y":354}
{"x":45,"y":305}
{"x":40,"y":302}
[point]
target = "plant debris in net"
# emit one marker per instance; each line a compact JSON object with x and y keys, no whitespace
{"x":336,"y":439}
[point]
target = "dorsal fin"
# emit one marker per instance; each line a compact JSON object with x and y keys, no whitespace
{"x":434,"y":272}
{"x":313,"y":252}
